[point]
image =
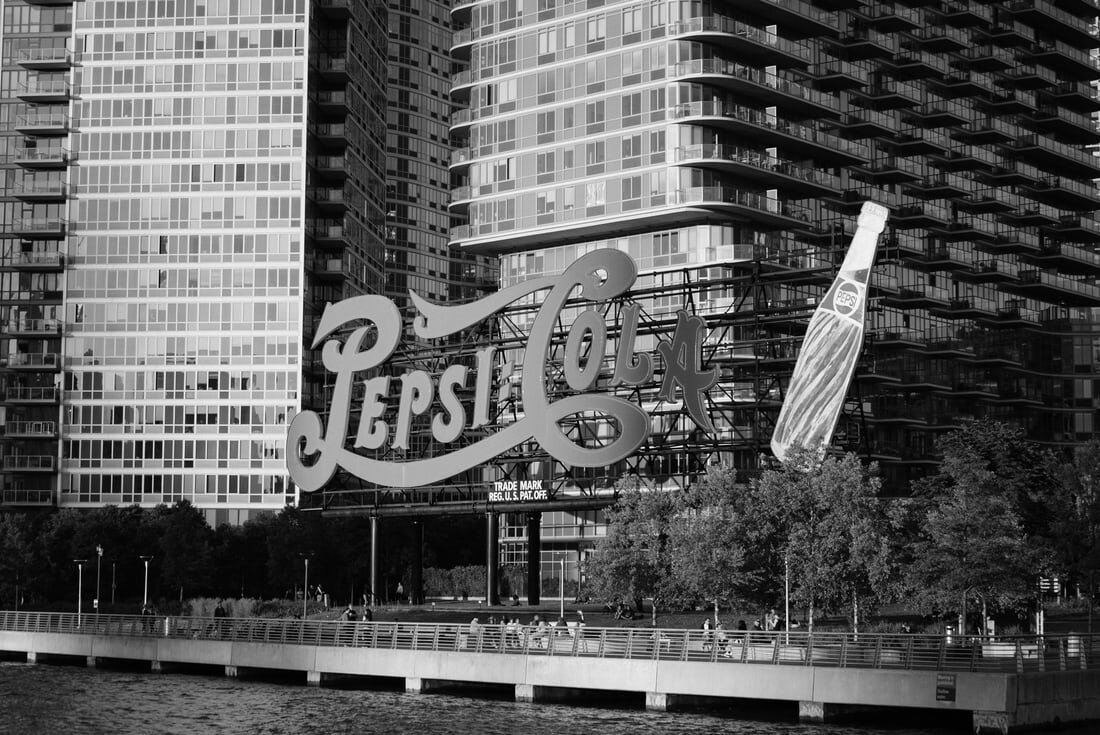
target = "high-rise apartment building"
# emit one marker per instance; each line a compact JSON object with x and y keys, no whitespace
{"x":186,"y":184}
{"x":728,"y":146}
{"x":418,"y":255}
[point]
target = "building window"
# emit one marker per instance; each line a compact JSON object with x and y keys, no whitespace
{"x":632,"y":20}
{"x":597,"y":28}
{"x":595,"y":194}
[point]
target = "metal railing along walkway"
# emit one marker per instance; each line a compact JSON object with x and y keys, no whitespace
{"x":1004,"y":654}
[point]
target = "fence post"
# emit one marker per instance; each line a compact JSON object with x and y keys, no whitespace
{"x":943,"y":653}
{"x":975,"y":650}
{"x":844,"y":651}
{"x":1019,"y":658}
{"x":877,"y":663}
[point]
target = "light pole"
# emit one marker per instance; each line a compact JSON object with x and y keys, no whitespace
{"x":98,"y":560}
{"x":561,"y":590}
{"x":79,"y":589}
{"x":145,"y":595}
{"x":305,"y":588}
{"x":112,"y":583}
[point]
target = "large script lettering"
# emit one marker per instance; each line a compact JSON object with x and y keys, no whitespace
{"x":316,"y":451}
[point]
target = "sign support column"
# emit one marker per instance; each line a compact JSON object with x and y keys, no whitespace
{"x":492,"y":559}
{"x":416,"y":594}
{"x":375,"y":566}
{"x":534,"y":557}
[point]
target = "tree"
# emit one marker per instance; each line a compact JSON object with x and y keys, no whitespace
{"x":185,"y":546}
{"x":1076,"y":529}
{"x":818,"y":522}
{"x":972,"y":522}
{"x":632,"y":561}
{"x":706,"y":557}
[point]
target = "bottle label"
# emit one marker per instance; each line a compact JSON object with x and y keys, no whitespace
{"x":846,"y":299}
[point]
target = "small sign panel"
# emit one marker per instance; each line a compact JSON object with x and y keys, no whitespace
{"x":518,"y":491}
{"x":945,"y":687}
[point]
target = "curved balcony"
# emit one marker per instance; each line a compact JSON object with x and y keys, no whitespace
{"x":461,"y":85}
{"x":751,"y":82}
{"x":461,"y":120}
{"x":461,"y":159}
{"x":799,"y":140}
{"x":760,"y":167}
{"x":795,"y":16}
{"x":461,"y":11}
{"x":756,"y":45}
{"x":759,"y":209}
{"x":461,"y":196}
{"x":462,"y":41}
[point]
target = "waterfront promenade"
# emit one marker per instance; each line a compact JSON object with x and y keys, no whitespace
{"x":1006,"y":683}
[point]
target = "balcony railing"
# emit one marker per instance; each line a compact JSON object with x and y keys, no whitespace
{"x":757,"y":159}
{"x":30,"y":462}
{"x":31,"y":428}
{"x":762,"y":36}
{"x":34,"y":394}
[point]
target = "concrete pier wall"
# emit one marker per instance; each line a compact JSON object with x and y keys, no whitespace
{"x":1001,"y":702}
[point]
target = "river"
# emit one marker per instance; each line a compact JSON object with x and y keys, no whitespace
{"x":53,"y":699}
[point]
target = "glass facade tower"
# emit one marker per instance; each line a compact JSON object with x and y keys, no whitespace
{"x":159,"y":298}
{"x":728,"y":147}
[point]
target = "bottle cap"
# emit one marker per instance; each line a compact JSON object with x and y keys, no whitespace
{"x":873,"y":217}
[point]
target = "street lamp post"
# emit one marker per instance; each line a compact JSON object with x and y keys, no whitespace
{"x":561,"y":590}
{"x":112,"y":583}
{"x":145,"y":595}
{"x":305,"y":588}
{"x":79,"y":589}
{"x":98,"y":560}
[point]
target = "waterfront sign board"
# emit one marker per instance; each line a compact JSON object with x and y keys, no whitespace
{"x":945,"y":687}
{"x":315,"y":450}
